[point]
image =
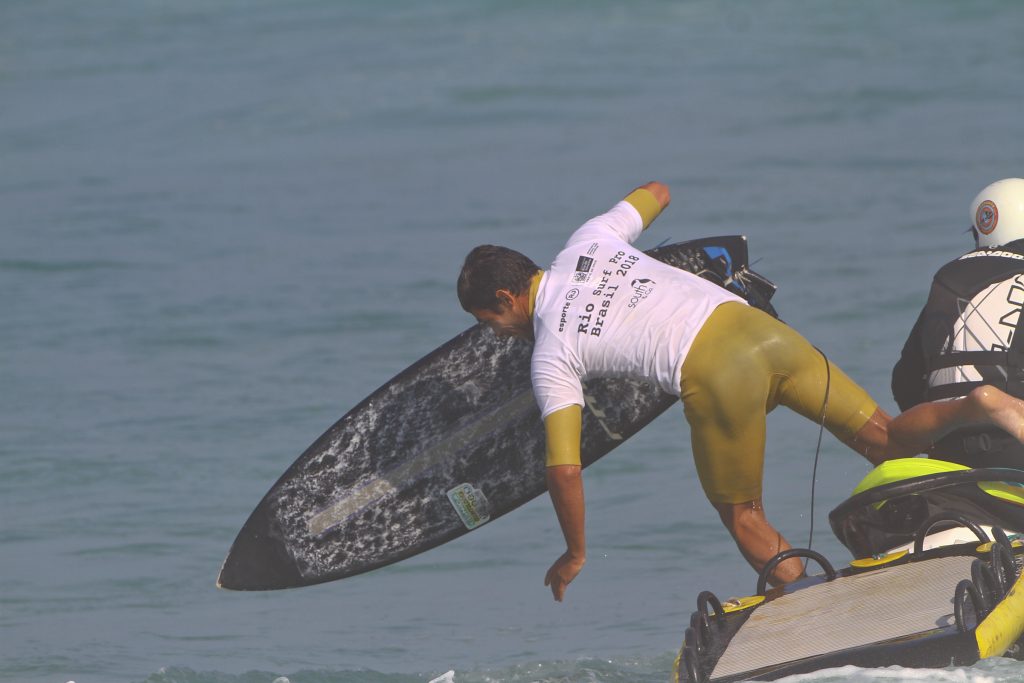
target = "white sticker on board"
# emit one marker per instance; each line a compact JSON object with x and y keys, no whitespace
{"x":470,"y":504}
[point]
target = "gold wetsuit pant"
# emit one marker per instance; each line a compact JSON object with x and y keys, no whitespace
{"x":742,"y":364}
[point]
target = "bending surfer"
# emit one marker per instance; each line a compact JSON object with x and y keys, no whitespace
{"x":606,"y":309}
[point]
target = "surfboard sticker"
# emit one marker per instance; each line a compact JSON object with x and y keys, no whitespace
{"x":470,"y":504}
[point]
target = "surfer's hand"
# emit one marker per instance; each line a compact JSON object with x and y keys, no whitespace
{"x":562,"y":572}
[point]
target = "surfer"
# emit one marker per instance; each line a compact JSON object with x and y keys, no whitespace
{"x":970,"y":330}
{"x":606,"y":309}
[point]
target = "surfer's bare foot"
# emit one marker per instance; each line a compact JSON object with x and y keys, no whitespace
{"x":1003,"y":410}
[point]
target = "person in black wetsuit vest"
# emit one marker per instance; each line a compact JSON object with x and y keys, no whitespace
{"x":971,"y":331}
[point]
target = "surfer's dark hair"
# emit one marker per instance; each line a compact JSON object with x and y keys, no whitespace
{"x":489,"y":268}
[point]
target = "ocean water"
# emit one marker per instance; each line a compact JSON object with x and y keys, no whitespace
{"x":224,"y":223}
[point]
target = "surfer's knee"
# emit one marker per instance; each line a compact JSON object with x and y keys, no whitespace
{"x":987,"y":404}
{"x":986,"y":399}
{"x":984,"y":404}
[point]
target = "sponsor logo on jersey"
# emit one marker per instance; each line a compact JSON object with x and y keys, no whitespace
{"x":642,"y":288}
{"x":584,"y":268}
{"x":563,"y":319}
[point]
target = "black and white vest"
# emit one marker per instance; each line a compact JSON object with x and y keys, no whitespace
{"x":968,"y":335}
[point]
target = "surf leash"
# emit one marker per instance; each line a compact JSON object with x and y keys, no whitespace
{"x":817,"y":449}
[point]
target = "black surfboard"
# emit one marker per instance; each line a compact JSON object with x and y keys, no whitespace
{"x":452,"y":442}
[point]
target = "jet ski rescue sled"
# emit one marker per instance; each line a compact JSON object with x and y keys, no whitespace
{"x":938,"y":584}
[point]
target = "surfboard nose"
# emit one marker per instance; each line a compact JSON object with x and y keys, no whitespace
{"x":258,"y":559}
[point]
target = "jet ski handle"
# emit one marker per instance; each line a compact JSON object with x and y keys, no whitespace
{"x":762,"y":579}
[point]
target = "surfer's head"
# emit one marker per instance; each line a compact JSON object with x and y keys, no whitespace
{"x":997,"y":213}
{"x":494,"y":286}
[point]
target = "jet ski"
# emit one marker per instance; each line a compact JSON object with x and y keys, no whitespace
{"x":890,"y":505}
{"x":936,"y":582}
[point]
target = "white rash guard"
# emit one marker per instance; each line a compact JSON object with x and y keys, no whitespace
{"x":605,"y":309}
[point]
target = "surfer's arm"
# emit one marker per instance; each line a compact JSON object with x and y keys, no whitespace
{"x":628,"y":218}
{"x":565,"y":484}
{"x":562,"y":429}
{"x":649,"y":200}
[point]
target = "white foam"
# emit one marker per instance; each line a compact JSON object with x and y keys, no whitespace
{"x":447,"y":677}
{"x":856,"y":674}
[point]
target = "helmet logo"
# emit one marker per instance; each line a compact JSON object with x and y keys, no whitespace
{"x":987,"y":217}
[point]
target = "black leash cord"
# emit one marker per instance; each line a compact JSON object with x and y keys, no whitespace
{"x":817,"y":450}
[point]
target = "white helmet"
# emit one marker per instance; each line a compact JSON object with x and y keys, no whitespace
{"x":997,"y":213}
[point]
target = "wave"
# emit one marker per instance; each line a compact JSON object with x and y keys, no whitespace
{"x":641,"y":670}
